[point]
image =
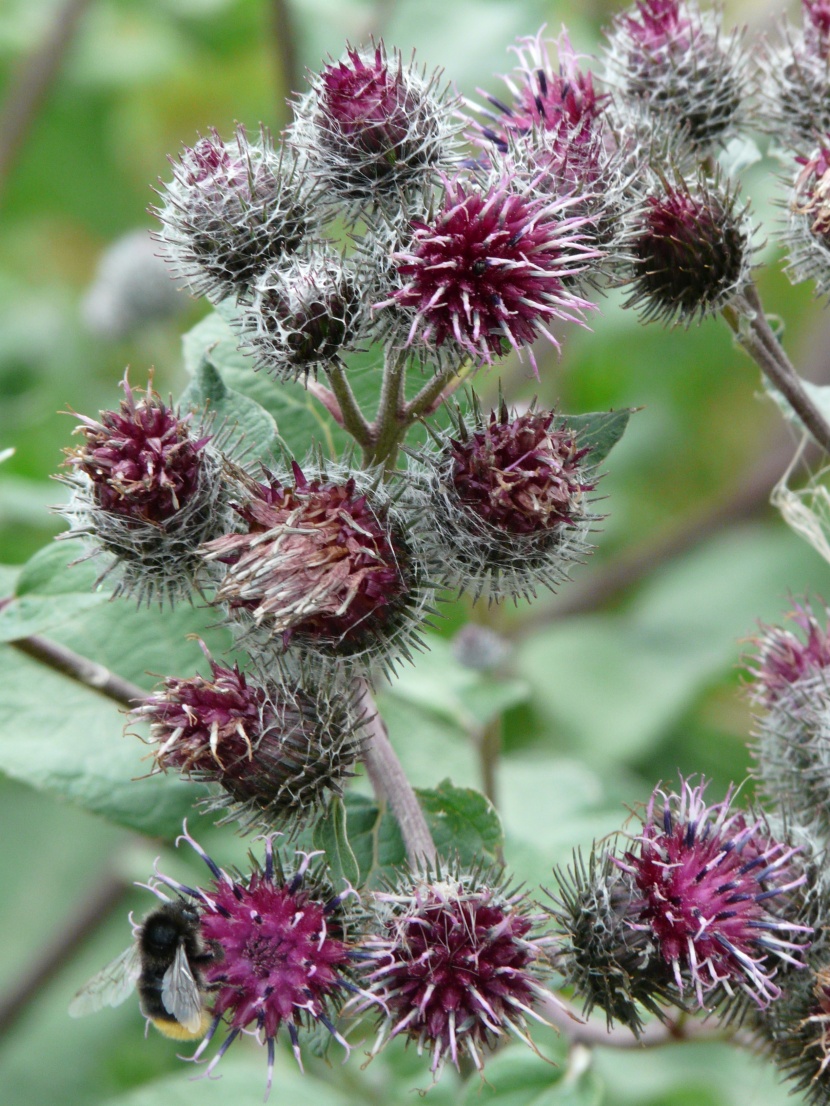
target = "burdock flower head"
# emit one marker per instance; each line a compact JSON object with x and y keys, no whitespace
{"x":672,"y":61}
{"x":808,"y":227}
{"x":689,"y":252}
{"x":277,"y":750}
{"x":794,"y":92}
{"x":282,"y":951}
{"x":507,"y":496}
{"x":231,"y":210}
{"x":713,"y":890}
{"x":489,"y":272}
{"x":372,"y":127}
{"x":303,"y":316}
{"x":325,"y":566}
{"x":791,"y":686}
{"x":148,"y":491}
{"x":456,"y":963}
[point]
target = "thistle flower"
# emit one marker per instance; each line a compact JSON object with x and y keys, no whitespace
{"x":507,"y":499}
{"x":303,"y":315}
{"x":231,"y":210}
{"x":610,"y":962}
{"x":791,"y":685}
{"x":672,"y":61}
{"x":283,"y":954}
{"x":277,"y":750}
{"x":325,"y":566}
{"x":372,"y":128}
{"x":793,"y":92}
{"x":713,"y":892}
{"x":455,"y":965}
{"x":690,"y":252}
{"x":489,"y":272}
{"x":148,"y":493}
{"x":808,"y":228}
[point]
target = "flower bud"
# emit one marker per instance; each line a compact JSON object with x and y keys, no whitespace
{"x":690,"y":253}
{"x":282,"y":954}
{"x":302,"y":317}
{"x":808,"y":227}
{"x":277,"y":750}
{"x":148,"y":493}
{"x":507,"y":501}
{"x":794,"y":95}
{"x":455,"y":964}
{"x":231,"y":210}
{"x":372,"y":127}
{"x":325,"y":566}
{"x":796,"y":1028}
{"x":672,"y":61}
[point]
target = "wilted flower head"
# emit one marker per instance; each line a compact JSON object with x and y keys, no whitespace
{"x":282,"y":951}
{"x":303,"y":316}
{"x":324,"y":565}
{"x":507,"y":498}
{"x":690,"y":252}
{"x":148,"y":491}
{"x":231,"y":210}
{"x":713,"y":894}
{"x":808,"y":228}
{"x":488,"y":273}
{"x":372,"y":127}
{"x":456,"y":964}
{"x":609,"y":962}
{"x":669,"y":59}
{"x":277,"y":750}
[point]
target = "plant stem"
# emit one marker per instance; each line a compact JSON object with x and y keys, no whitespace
{"x":354,"y":420}
{"x":390,"y":784}
{"x":433,"y":394}
{"x":391,"y":425}
{"x":82,"y":669}
{"x":755,"y":335}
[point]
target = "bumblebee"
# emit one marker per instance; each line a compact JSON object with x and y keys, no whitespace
{"x":164,"y":964}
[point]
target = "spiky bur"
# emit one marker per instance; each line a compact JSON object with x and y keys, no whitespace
{"x":325,"y":567}
{"x":231,"y":210}
{"x":551,"y":124}
{"x":712,"y":889}
{"x":673,"y":66}
{"x":609,"y":962}
{"x":283,"y":950}
{"x":276,"y":750}
{"x":455,"y":963}
{"x":147,"y":493}
{"x":303,"y":315}
{"x":507,"y":500}
{"x":373,"y":128}
{"x":791,"y":689}
{"x":489,"y":272}
{"x":794,"y":91}
{"x":807,"y":233}
{"x":689,"y":252}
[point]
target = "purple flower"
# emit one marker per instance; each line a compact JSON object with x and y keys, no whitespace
{"x":713,"y":885}
{"x":142,"y":460}
{"x":786,"y":659}
{"x":276,"y":749}
{"x":281,"y":954}
{"x":457,"y":963}
{"x":489,"y":272}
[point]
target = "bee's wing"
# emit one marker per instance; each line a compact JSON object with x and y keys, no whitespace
{"x":109,"y":987}
{"x":180,"y":994}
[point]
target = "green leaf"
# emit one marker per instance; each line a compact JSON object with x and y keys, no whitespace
{"x":375,"y":839}
{"x":463,"y":823}
{"x":245,"y":427}
{"x":599,"y":431}
{"x":331,"y":834}
{"x":515,"y":1077}
{"x":51,"y":592}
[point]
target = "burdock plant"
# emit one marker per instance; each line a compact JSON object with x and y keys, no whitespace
{"x":335,"y":474}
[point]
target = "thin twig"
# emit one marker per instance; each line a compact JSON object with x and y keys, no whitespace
{"x":82,"y":669}
{"x":285,"y":46}
{"x":29,"y":89}
{"x":98,"y":904}
{"x":391,"y":785}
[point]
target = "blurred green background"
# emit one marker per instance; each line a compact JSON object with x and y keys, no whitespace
{"x":630,"y":676}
